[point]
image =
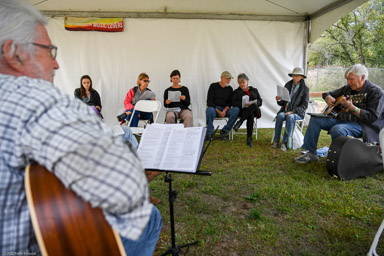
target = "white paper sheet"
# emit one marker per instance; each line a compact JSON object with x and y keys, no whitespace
{"x":283,"y":93}
{"x":171,"y":147}
{"x":174,"y":96}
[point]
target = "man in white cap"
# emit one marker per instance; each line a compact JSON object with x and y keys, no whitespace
{"x":363,"y":118}
{"x":219,"y":105}
{"x":291,"y":110}
{"x":38,"y":123}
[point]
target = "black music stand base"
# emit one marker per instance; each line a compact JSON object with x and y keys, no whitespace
{"x":175,"y":249}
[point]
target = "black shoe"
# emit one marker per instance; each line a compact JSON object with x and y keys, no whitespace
{"x":249,"y":142}
{"x":237,"y":126}
{"x":208,"y":137}
{"x":121,"y":117}
{"x":224,"y":135}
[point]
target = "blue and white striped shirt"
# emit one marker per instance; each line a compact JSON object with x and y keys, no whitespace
{"x":38,"y":123}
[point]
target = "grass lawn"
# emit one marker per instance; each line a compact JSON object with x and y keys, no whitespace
{"x":260,"y":202}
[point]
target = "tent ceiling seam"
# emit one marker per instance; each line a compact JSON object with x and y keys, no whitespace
{"x":162,"y":15}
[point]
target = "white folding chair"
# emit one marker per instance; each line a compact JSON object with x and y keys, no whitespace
{"x":241,"y":132}
{"x":220,"y":119}
{"x":372,"y":250}
{"x":145,"y":106}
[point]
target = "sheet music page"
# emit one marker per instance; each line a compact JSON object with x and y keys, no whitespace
{"x":283,"y":93}
{"x":244,"y":101}
{"x":152,"y":144}
{"x":183,"y":149}
{"x":174,"y":96}
{"x":177,"y":109}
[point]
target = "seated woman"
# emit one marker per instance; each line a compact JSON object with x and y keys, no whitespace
{"x":139,"y":92}
{"x":89,"y":95}
{"x":292,"y":110}
{"x":250,"y":109}
{"x":182,"y":101}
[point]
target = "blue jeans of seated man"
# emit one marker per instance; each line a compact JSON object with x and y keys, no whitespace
{"x":128,"y":136}
{"x":146,"y":244}
{"x":135,"y":117}
{"x":232,"y":114}
{"x":336,"y":127}
{"x":289,"y":123}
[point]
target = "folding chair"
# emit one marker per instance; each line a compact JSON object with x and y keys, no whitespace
{"x":241,"y":132}
{"x":226,"y":121}
{"x":145,"y":106}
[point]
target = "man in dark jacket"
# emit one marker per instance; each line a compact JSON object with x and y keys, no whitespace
{"x":363,"y":118}
{"x":291,"y":110}
{"x":219,"y":105}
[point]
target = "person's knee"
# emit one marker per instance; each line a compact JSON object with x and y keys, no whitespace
{"x":170,"y":117}
{"x":337,"y":131}
{"x":280,"y":116}
{"x":235,"y":111}
{"x":210,"y":113}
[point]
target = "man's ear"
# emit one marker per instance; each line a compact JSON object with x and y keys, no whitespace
{"x":14,"y":55}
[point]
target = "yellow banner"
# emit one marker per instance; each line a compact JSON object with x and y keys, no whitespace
{"x":94,"y":24}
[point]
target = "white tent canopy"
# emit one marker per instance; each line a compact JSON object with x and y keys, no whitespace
{"x":264,"y":39}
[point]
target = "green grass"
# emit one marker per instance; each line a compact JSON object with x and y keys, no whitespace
{"x":260,"y":202}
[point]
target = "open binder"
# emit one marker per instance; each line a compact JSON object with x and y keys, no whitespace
{"x":171,"y":147}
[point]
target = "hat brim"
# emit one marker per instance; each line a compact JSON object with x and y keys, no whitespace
{"x":290,"y":74}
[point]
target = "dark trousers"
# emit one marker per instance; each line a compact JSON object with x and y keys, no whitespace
{"x":249,"y":114}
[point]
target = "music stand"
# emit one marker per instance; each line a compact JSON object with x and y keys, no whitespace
{"x":172,"y":194}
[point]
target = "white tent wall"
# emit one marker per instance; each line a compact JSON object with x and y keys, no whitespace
{"x":201,"y":49}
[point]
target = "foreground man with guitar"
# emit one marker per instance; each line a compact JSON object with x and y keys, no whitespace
{"x":362,"y":114}
{"x":38,"y":123}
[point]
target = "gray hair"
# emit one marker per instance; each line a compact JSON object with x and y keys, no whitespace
{"x":358,"y":70}
{"x":18,"y":22}
{"x":243,"y":76}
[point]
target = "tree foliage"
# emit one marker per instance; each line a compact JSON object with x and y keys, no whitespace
{"x":358,"y":37}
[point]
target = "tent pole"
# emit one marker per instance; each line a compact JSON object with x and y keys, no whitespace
{"x":307,"y":36}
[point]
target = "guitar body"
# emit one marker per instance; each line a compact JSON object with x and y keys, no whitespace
{"x":337,"y":107}
{"x":349,"y":158}
{"x":63,"y":223}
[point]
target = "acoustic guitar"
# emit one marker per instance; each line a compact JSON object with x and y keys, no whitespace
{"x":337,"y":107}
{"x":64,"y":224}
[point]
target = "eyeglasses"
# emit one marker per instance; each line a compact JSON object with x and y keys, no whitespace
{"x":146,"y":81}
{"x":52,"y":48}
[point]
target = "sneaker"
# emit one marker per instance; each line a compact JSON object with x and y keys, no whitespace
{"x":275,"y":144}
{"x":283,"y":147}
{"x":307,"y":158}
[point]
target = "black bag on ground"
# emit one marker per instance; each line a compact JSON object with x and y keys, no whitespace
{"x":349,"y":158}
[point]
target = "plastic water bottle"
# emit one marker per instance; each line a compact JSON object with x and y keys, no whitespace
{"x":289,"y":145}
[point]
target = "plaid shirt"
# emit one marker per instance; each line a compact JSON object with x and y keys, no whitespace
{"x":38,"y":123}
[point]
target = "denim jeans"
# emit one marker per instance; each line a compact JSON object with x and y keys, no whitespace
{"x":232,"y":114}
{"x":135,"y":117}
{"x":289,"y":123}
{"x":336,"y":127}
{"x":128,"y":136}
{"x":146,"y":244}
